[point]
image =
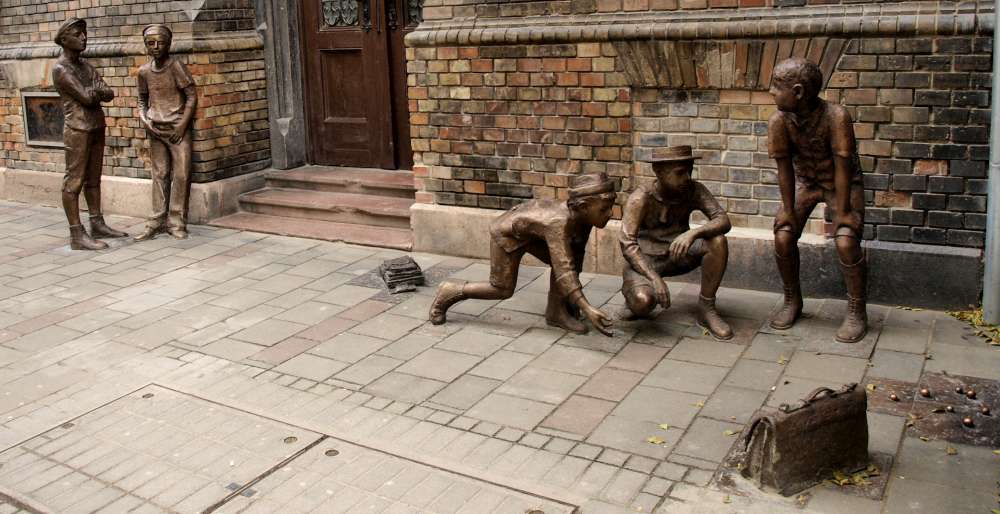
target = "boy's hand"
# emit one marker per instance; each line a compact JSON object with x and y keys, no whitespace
{"x":599,"y":319}
{"x":177,"y":134}
{"x":682,"y":243}
{"x":661,"y":293}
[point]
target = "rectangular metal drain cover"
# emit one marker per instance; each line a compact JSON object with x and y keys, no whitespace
{"x":171,"y":452}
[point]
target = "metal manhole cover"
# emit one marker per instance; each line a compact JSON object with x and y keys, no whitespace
{"x":166,"y":452}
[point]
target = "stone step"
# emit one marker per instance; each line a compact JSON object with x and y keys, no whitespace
{"x":366,"y":235}
{"x":345,"y":180}
{"x":381,"y":211}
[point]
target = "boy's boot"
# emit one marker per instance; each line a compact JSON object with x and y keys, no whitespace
{"x":80,"y":240}
{"x":709,"y":318}
{"x":97,"y":225}
{"x":449,"y":293}
{"x":791,"y":309}
{"x":855,"y":324}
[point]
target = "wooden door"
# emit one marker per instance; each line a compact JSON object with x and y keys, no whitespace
{"x":402,"y":16}
{"x":347,"y":83}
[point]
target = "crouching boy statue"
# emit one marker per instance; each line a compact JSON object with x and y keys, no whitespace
{"x":657,"y":241}
{"x":813,"y":143}
{"x":554,"y":232}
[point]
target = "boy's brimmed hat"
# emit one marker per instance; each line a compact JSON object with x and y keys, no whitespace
{"x":66,"y":25}
{"x":590,"y":184}
{"x":673,"y":154}
{"x":157,"y":28}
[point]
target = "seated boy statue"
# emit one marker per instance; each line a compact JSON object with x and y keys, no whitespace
{"x":813,"y":144}
{"x":658,"y":242}
{"x":556,"y":233}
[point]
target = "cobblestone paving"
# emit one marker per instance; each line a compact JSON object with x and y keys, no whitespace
{"x":301,"y":332}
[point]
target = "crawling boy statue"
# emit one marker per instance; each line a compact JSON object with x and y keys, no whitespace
{"x":657,"y":240}
{"x":554,"y":232}
{"x":813,"y":144}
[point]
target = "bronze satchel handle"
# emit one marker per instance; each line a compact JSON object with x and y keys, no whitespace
{"x":813,"y":396}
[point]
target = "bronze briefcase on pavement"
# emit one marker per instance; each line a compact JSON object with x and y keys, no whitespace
{"x":805,"y":443}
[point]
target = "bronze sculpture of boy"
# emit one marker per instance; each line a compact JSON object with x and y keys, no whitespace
{"x":82,"y":90}
{"x":812,"y":142}
{"x":657,"y":240}
{"x":556,"y":233}
{"x":167,"y":101}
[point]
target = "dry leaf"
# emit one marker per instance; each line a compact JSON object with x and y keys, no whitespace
{"x":727,"y":499}
{"x":782,"y":360}
{"x":802,"y":498}
{"x":996,"y":452}
{"x":925,"y":438}
{"x":664,"y":426}
{"x":655,"y":440}
{"x":699,"y":404}
{"x":871,"y":387}
{"x":951,"y":451}
{"x":729,"y":433}
{"x":937,"y":410}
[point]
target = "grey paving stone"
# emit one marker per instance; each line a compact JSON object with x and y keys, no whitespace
{"x":981,"y":361}
{"x":733,"y":404}
{"x":624,"y":487}
{"x":596,"y":341}
{"x":311,"y":367}
{"x":610,"y":384}
{"x":579,"y":415}
{"x":269,"y":332}
{"x":440,"y":365}
{"x":535,"y":340}
{"x":753,"y":374}
{"x":706,"y":352}
{"x":971,"y":469}
{"x":408,"y":346}
{"x":283,"y":351}
{"x":368,"y":369}
{"x":913,"y":495}
{"x":501,"y":365}
{"x":631,"y":436}
{"x":901,"y":366}
{"x":884,"y":432}
{"x":347,"y":295}
{"x":403,"y":387}
{"x":310,"y":313}
{"x":542,"y":384}
{"x":772,"y":347}
{"x":568,"y":359}
{"x":659,"y":406}
{"x":904,"y":339}
{"x":707,"y":439}
{"x":465,"y":391}
{"x":948,"y":330}
{"x":511,"y":411}
{"x":638,"y":357}
{"x":349,"y":347}
{"x":387,"y":326}
{"x":792,"y":389}
{"x":473,"y":342}
{"x":833,"y":368}
{"x":231,"y":349}
{"x":560,"y":445}
{"x":686,"y":376}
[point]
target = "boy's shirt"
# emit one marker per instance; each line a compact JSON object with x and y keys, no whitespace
{"x":165,"y":89}
{"x":651,"y":222}
{"x":545,"y":221}
{"x":812,"y":141}
{"x":74,"y":80}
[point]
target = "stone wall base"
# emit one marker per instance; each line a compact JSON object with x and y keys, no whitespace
{"x":900,"y":273}
{"x":130,"y":196}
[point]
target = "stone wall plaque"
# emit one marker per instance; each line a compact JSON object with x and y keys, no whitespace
{"x":43,"y":118}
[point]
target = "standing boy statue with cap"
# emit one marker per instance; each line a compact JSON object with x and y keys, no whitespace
{"x":554,"y":232}
{"x":813,"y":144}
{"x":657,"y":240}
{"x":82,"y":91}
{"x":167,"y":101}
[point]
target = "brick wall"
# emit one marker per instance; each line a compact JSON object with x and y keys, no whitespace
{"x":450,"y":9}
{"x":230,"y":127}
{"x":540,"y":111}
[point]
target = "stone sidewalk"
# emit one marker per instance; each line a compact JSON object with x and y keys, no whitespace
{"x":279,"y":376}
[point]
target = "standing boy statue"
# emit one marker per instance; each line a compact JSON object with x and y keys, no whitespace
{"x":82,"y":91}
{"x":813,"y":143}
{"x":657,"y":240}
{"x":167,"y":100}
{"x":556,"y":233}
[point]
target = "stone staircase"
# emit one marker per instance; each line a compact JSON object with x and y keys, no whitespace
{"x":362,"y":206}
